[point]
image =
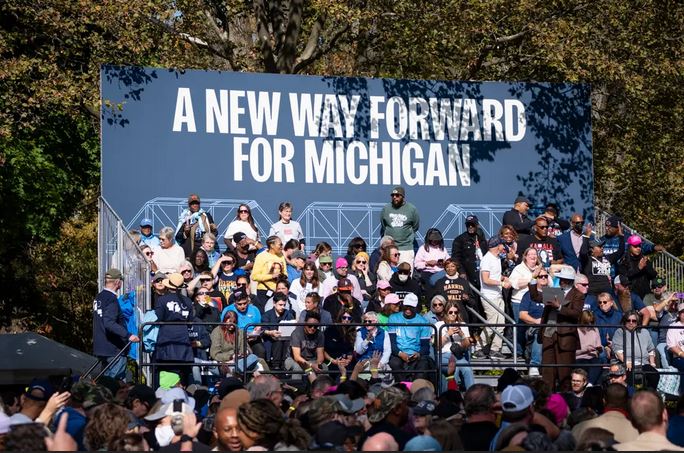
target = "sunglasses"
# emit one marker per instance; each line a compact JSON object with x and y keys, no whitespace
{"x":312,"y":326}
{"x":542,"y":227}
{"x":395,"y":254}
{"x":631,"y":321}
{"x":583,"y":284}
{"x":404,"y":272}
{"x":437,"y":304}
{"x":452,"y":312}
{"x":243,"y":211}
{"x":347,"y":318}
{"x":368,"y":321}
{"x":604,"y":302}
{"x":149,"y":253}
{"x":361,"y":262}
{"x":543,"y":276}
{"x":202,"y":293}
{"x":186,"y":271}
{"x":229,"y":262}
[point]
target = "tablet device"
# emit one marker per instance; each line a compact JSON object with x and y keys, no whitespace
{"x":548,"y":295}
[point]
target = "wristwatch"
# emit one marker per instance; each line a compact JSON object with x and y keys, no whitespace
{"x":186,"y":438}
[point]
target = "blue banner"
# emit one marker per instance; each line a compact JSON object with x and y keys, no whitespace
{"x":335,"y":147}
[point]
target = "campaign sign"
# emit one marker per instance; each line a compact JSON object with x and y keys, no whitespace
{"x":336,"y":146}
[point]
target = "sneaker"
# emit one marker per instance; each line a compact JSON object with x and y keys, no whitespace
{"x":497,"y":355}
{"x":534,"y":371}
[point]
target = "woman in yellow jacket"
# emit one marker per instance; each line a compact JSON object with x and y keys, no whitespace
{"x":269,"y":267}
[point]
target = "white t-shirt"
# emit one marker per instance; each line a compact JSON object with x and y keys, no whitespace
{"x":521,"y":274}
{"x":446,"y":347}
{"x":241,"y":225}
{"x":491,"y":263}
{"x":287,"y":231}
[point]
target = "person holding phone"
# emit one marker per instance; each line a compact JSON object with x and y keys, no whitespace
{"x":429,"y":261}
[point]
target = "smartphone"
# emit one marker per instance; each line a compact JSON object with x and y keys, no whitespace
{"x":65,"y":385}
{"x":679,"y":295}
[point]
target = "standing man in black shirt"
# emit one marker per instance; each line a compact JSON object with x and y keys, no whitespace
{"x":467,"y":251}
{"x":517,"y":217}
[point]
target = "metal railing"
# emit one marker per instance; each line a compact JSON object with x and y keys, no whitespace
{"x":510,"y":322}
{"x":116,"y":248}
{"x":669,"y":267}
{"x":435,"y":342}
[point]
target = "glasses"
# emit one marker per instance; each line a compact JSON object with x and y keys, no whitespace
{"x":202,"y":293}
{"x":149,"y":253}
{"x":229,"y":262}
{"x":368,"y":321}
{"x":579,"y":222}
{"x":395,"y":254}
{"x":312,"y":326}
{"x":384,"y":289}
{"x":243,"y":211}
{"x":583,"y":284}
{"x":631,"y":321}
{"x":543,"y":276}
{"x":604,"y":302}
{"x":542,"y":227}
{"x":437,"y":304}
{"x":638,"y":246}
{"x":452,"y":312}
{"x":346,"y":318}
{"x":403,"y":272}
{"x":326,"y":264}
{"x":361,"y":262}
{"x":186,"y":271}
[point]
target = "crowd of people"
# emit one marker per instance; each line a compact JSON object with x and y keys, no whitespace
{"x":519,"y":413}
{"x":374,"y":348}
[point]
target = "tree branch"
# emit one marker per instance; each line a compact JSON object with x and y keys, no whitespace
{"x":189,"y":38}
{"x":321,"y":51}
{"x":224,"y":37}
{"x":312,"y":42}
{"x":288,"y":52}
{"x":264,"y":36}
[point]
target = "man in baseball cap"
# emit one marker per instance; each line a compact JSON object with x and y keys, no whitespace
{"x":517,"y":216}
{"x":388,"y":414}
{"x":517,"y":406}
{"x":410,"y":340}
{"x":400,"y":220}
{"x":343,"y":298}
{"x":110,"y":334}
{"x":146,"y":235}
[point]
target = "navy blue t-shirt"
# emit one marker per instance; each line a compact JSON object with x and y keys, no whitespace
{"x":534,"y":309}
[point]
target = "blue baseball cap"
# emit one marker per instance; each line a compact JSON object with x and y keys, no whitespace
{"x":146,"y":222}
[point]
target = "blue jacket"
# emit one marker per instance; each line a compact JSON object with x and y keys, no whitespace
{"x":602,"y":319}
{"x":252,"y":316}
{"x":377,"y":345}
{"x":173,"y":341}
{"x":109,"y":329}
{"x":568,"y":251}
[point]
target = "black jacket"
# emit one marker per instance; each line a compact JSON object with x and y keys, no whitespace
{"x":109,"y":333}
{"x":520,"y":222}
{"x":463,"y":252}
{"x":640,"y":278}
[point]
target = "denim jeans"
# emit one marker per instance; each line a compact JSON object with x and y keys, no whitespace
{"x":534,"y":346}
{"x":464,"y":373}
{"x":663,"y":353}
